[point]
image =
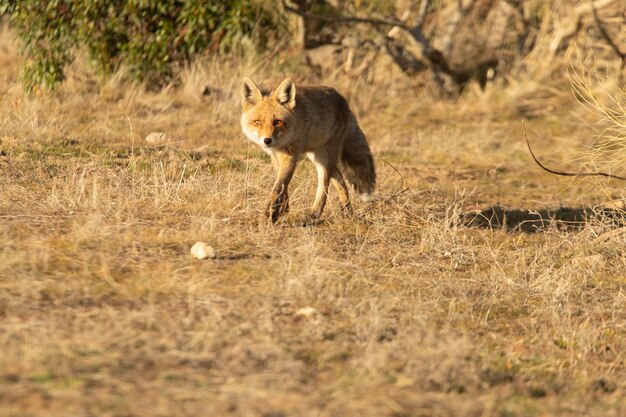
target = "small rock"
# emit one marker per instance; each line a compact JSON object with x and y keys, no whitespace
{"x":201,"y":250}
{"x":306,"y":312}
{"x":604,"y":385}
{"x":155,"y":138}
{"x":350,"y":42}
{"x":387,"y":334}
{"x":212,"y":91}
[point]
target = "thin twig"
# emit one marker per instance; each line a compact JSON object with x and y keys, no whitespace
{"x":609,"y":40}
{"x":567,"y":174}
{"x":401,"y":189}
{"x":605,"y":34}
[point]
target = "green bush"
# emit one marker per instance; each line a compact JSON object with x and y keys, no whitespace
{"x":150,"y":37}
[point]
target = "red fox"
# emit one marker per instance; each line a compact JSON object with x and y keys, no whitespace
{"x":288,"y":123}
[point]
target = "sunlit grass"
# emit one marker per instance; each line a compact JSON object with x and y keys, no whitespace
{"x":409,"y":311}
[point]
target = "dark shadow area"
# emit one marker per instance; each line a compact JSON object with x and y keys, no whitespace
{"x":530,"y":221}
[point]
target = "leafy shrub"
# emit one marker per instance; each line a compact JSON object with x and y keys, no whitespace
{"x":150,"y":37}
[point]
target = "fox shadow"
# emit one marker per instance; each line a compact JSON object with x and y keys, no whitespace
{"x":532,"y":221}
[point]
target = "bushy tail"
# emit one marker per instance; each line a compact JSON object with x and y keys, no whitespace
{"x":357,"y":164}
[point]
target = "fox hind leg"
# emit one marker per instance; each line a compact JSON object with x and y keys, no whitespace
{"x":342,"y":189}
{"x":323,"y":181}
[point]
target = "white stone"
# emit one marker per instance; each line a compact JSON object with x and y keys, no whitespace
{"x":306,"y":312}
{"x":155,"y":138}
{"x":201,"y":250}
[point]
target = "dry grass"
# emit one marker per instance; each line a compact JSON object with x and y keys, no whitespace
{"x":103,"y":312}
{"x":606,"y":99}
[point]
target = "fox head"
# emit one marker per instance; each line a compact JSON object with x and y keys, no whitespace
{"x":267,"y":117}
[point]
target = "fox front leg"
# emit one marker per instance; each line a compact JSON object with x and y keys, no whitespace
{"x":278,"y":203}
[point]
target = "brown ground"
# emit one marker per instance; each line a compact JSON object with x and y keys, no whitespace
{"x":414,"y":312}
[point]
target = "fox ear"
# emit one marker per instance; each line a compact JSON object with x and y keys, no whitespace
{"x":285,"y":94}
{"x":250,"y":93}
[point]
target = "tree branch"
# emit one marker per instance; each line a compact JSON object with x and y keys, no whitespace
{"x":607,"y":38}
{"x":421,"y":16}
{"x":575,"y":23}
{"x":453,"y":24}
{"x":348,"y":19}
{"x":567,"y":174}
{"x":435,"y":57}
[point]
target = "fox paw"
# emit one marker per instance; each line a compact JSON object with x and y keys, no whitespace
{"x":346,"y":210}
{"x":277,"y":208}
{"x":311,"y":219}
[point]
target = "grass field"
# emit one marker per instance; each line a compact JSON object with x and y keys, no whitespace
{"x":407,"y":309}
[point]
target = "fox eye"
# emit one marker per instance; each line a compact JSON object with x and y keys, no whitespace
{"x":278,"y":123}
{"x":256,"y":122}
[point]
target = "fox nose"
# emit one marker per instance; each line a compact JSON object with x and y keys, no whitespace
{"x":267,"y":141}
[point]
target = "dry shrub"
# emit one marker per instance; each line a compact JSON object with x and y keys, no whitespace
{"x":605,"y":99}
